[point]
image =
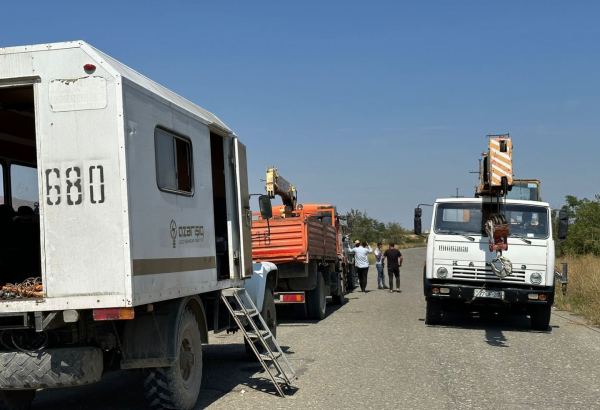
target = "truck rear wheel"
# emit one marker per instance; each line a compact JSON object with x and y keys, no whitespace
{"x":540,"y":317}
{"x":16,"y":399}
{"x":433,"y":312}
{"x":339,"y":298}
{"x":178,"y":386}
{"x":316,"y":300}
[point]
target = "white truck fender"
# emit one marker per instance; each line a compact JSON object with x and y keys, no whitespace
{"x":256,"y":285}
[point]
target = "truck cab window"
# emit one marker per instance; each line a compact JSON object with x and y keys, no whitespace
{"x":459,"y":218}
{"x":24,"y":186}
{"x":173,"y":162}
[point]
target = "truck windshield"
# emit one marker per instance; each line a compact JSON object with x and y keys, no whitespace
{"x":528,"y":191}
{"x":525,"y":221}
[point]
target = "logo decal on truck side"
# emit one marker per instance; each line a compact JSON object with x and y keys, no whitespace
{"x":174,"y":232}
{"x":186,"y":234}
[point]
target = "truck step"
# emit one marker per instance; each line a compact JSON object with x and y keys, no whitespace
{"x":265,"y":334}
{"x":254,"y":328}
{"x":268,"y":357}
{"x":248,"y":313}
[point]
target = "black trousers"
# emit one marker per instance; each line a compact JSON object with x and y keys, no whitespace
{"x":394,"y":272}
{"x":362,"y":277}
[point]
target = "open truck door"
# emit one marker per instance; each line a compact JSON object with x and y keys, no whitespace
{"x":244,"y":212}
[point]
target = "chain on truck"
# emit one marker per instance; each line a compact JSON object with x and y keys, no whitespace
{"x":125,"y":227}
{"x":492,"y":251}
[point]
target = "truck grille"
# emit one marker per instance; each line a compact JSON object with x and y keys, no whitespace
{"x":464,"y":272}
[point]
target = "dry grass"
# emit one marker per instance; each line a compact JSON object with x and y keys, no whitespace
{"x":583,"y":295}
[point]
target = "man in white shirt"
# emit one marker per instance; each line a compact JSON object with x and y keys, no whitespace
{"x":379,"y":265}
{"x":361,"y":261}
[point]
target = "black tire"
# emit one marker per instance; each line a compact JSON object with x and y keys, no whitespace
{"x":316,"y":300}
{"x":433,"y":312}
{"x":178,"y":386}
{"x":269,"y":315}
{"x":540,"y":317}
{"x":16,"y":399}
{"x":78,"y":366}
{"x":348,"y":280}
{"x":339,"y":298}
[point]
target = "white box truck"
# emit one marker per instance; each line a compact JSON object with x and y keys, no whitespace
{"x":131,"y":205}
{"x":462,"y":272}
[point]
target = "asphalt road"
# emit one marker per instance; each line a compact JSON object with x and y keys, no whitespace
{"x":376,"y":352}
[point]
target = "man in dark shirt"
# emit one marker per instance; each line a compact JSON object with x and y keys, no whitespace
{"x":394,"y":261}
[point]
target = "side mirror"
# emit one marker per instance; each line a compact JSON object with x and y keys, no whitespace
{"x":266,"y":210}
{"x":417,"y":224}
{"x":563,"y":224}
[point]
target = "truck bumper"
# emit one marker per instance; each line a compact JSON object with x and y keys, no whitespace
{"x":50,"y":368}
{"x":510,"y":296}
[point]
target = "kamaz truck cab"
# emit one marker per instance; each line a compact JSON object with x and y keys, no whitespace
{"x":462,"y":270}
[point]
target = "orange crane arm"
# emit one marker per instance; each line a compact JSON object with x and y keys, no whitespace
{"x":276,"y":185}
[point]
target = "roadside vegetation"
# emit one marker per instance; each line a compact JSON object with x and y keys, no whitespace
{"x":371,"y":230}
{"x":581,"y":250}
{"x":583,"y":294}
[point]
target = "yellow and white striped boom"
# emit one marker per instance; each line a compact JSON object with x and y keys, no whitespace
{"x":496,"y":171}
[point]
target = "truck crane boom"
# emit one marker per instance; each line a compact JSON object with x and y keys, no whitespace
{"x":495,"y":170}
{"x":276,"y":185}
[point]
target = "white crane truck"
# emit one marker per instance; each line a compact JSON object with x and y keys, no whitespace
{"x":143,"y":219}
{"x":489,"y":252}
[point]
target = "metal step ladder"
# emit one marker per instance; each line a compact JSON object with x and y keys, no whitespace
{"x":259,"y":337}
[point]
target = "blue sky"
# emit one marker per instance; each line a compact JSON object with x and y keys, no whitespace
{"x":375,"y":106}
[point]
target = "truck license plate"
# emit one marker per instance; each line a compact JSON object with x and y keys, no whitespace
{"x":486,"y":293}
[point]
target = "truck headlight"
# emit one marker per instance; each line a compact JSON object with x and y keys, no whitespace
{"x":442,"y":272}
{"x":535,"y":278}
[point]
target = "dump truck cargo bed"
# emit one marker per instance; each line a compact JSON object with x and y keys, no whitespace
{"x":293,"y":239}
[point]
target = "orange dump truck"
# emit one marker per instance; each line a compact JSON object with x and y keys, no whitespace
{"x":306,"y":244}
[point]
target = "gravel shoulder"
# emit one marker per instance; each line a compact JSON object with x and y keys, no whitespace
{"x":376,"y":352}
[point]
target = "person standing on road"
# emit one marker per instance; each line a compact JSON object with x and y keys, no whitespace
{"x":379,"y":265}
{"x":361,"y":262}
{"x":355,"y":270}
{"x":394,"y":261}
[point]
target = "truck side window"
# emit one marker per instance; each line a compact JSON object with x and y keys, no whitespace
{"x":173,"y":162}
{"x":24,"y":186}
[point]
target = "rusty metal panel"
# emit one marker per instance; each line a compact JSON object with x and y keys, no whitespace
{"x":284,"y":243}
{"x":315,"y":237}
{"x":293,"y":240}
{"x":330,"y":242}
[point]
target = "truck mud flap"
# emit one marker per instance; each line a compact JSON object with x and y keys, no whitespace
{"x":61,"y":367}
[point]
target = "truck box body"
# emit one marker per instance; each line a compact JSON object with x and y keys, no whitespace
{"x":110,"y":235}
{"x":293,"y":239}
